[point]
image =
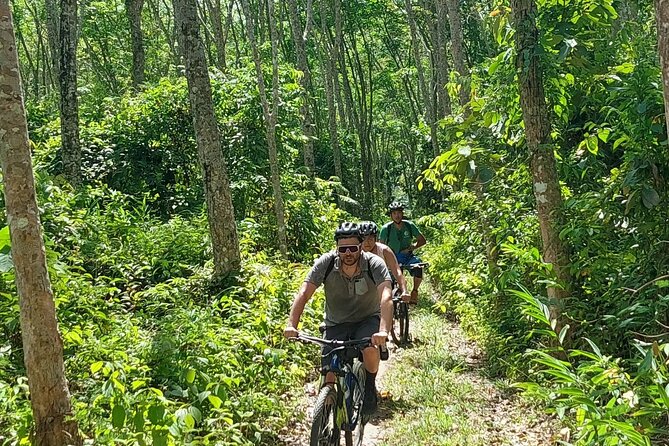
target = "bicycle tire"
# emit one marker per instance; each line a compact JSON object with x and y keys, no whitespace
{"x":358,"y":400}
{"x":324,"y":428}
{"x":400,"y":328}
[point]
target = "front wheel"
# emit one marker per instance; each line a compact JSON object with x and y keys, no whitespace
{"x":400,"y":329}
{"x":358,"y":400}
{"x":324,"y":428}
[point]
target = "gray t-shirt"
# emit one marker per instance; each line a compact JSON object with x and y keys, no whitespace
{"x":349,"y":300}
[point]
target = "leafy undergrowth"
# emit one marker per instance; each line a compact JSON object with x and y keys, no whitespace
{"x":155,"y":352}
{"x":440,"y":397}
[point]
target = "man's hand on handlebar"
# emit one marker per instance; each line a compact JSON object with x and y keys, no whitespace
{"x":379,"y":338}
{"x":290,"y":332}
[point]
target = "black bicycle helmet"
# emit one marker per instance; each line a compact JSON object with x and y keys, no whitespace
{"x":395,"y":206}
{"x":346,"y":230}
{"x":368,"y":228}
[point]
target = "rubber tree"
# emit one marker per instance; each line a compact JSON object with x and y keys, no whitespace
{"x":69,"y":102}
{"x":662,"y":19}
{"x":541,"y":149}
{"x":270,"y":113}
{"x":220,"y":211}
{"x":42,"y":344}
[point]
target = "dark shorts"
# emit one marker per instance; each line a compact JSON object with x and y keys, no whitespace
{"x":410,"y":259}
{"x":350,"y":330}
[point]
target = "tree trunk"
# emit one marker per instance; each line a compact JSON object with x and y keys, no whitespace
{"x":330,"y":80}
{"x":442,"y":72}
{"x":220,"y":211}
{"x":300,"y":36}
{"x":42,"y":345}
{"x":422,"y":84}
{"x":458,"y":49}
{"x":542,"y":159}
{"x":53,"y":35}
{"x":270,"y":116}
{"x":154,"y":7}
{"x":133,"y":9}
{"x":662,"y":18}
{"x":69,"y":103}
{"x":220,"y":32}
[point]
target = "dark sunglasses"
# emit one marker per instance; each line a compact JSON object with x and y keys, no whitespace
{"x":350,"y":248}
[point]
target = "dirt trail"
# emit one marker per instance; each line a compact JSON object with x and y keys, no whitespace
{"x":501,"y":418}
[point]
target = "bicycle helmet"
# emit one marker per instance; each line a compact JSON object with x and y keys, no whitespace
{"x":347,"y":230}
{"x":368,"y":228}
{"x":395,"y":206}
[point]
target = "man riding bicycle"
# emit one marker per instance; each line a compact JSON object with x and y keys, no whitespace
{"x":399,"y":235}
{"x":369,"y":232}
{"x":358,"y":301}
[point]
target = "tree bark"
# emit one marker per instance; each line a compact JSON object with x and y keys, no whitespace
{"x":133,"y":9}
{"x":42,"y":345}
{"x":300,"y":36}
{"x":269,"y":115}
{"x":69,"y":103}
{"x":53,"y":35}
{"x":662,"y":19}
{"x":422,"y":84}
{"x":542,"y":159}
{"x":220,"y":211}
{"x":330,"y":80}
{"x":220,"y":32}
{"x":458,"y":49}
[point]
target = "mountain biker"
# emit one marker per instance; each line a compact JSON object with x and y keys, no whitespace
{"x":369,"y":232}
{"x":358,"y":301}
{"x":399,"y":235}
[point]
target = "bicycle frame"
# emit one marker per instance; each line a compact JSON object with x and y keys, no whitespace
{"x":346,"y":382}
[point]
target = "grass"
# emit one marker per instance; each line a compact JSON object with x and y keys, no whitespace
{"x":431,"y":403}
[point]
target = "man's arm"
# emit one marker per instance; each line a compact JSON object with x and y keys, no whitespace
{"x":384,"y":290}
{"x":420,"y":241}
{"x":306,"y":291}
{"x":394,"y":267}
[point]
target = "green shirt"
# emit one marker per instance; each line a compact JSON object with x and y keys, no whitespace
{"x":399,"y":239}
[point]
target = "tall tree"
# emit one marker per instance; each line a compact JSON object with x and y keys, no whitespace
{"x":53,"y":35}
{"x":220,"y":211}
{"x":330,"y":80}
{"x":458,"y":48}
{"x":133,"y":10}
{"x":300,"y":36}
{"x":69,"y":102}
{"x":269,"y":114}
{"x":42,"y":345}
{"x":662,"y":19}
{"x":220,"y":31}
{"x":540,"y":145}
{"x":422,"y":83}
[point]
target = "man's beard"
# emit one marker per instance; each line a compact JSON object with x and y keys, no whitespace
{"x":349,"y":260}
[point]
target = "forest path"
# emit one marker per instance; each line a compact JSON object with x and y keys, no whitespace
{"x":438,"y":394}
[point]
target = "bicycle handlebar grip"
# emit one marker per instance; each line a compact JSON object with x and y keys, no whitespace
{"x":383,"y":350}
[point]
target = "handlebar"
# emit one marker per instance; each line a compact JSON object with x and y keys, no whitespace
{"x":414,"y":265}
{"x":358,"y":344}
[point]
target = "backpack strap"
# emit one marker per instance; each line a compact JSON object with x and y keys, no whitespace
{"x":328,"y":270}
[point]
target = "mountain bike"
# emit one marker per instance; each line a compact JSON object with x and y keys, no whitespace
{"x":339,"y":405}
{"x":400,"y":328}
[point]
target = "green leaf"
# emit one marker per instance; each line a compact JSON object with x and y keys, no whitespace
{"x":118,"y":416}
{"x":190,"y":376}
{"x":650,"y":197}
{"x":96,"y":366}
{"x":6,"y":263}
{"x":215,"y":401}
{"x":594,"y":348}
{"x":138,"y":420}
{"x":5,"y":241}
{"x":156,"y":414}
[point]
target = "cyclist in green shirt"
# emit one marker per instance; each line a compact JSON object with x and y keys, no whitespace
{"x":404,"y":237}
